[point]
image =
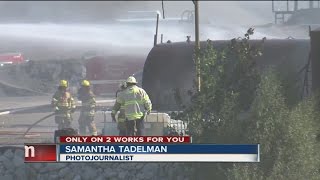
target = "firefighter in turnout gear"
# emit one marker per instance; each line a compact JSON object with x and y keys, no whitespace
{"x":86,"y":119}
{"x":121,"y":116}
{"x":64,"y":106}
{"x":136,"y":104}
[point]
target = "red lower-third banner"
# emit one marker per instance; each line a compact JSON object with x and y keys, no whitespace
{"x":40,"y":153}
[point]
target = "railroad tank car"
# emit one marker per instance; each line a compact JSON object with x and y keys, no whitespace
{"x":170,"y":68}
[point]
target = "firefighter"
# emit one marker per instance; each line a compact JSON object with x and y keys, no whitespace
{"x":121,"y":117}
{"x":64,"y":106}
{"x":136,"y":104}
{"x":86,"y":119}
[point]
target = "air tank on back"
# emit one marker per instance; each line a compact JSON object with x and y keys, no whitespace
{"x":169,"y":70}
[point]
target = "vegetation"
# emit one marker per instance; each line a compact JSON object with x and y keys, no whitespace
{"x":237,"y":104}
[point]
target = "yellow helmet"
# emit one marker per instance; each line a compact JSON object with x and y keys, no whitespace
{"x":85,"y":83}
{"x":63,"y":83}
{"x":132,"y":80}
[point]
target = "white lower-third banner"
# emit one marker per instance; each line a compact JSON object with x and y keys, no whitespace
{"x":159,"y":157}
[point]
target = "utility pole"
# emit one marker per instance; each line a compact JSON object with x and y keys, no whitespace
{"x":155,"y":40}
{"x":197,"y":43}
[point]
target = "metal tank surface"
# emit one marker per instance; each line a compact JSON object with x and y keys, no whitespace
{"x":169,"y":68}
{"x":315,"y":56}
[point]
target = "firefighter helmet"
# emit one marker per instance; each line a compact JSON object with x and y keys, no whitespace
{"x":85,"y":83}
{"x":132,"y":80}
{"x":63,"y":83}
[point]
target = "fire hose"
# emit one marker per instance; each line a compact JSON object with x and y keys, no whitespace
{"x":37,"y":122}
{"x":52,"y":114}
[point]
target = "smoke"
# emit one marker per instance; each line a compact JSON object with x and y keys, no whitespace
{"x":101,"y":11}
{"x":65,"y":11}
{"x":53,"y":29}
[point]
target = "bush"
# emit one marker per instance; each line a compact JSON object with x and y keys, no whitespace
{"x":229,"y":80}
{"x":238,"y":105}
{"x":287,"y":137}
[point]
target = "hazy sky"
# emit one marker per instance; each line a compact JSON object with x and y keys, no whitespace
{"x":229,"y":12}
{"x":240,"y":12}
{"x":61,"y":28}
